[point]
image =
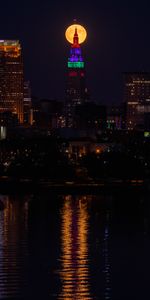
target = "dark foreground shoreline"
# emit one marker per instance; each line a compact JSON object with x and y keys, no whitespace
{"x":15,"y":185}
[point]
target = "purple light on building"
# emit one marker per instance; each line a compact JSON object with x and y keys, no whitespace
{"x":75,"y":55}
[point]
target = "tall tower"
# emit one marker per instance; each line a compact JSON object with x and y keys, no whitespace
{"x":76,"y":92}
{"x":11,"y":78}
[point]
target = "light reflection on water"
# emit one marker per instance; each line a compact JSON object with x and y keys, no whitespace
{"x":13,"y":247}
{"x":70,"y":247}
{"x":74,"y":259}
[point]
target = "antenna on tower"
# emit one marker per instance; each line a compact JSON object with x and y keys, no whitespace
{"x":75,"y":21}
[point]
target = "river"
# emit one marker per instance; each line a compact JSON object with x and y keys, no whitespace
{"x":75,"y":246}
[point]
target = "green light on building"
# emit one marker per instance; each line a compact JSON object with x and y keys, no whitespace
{"x":78,"y":64}
{"x":146,"y":134}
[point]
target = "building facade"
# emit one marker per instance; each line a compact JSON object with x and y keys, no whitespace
{"x":11,"y":78}
{"x":137,"y":99}
{"x":116,"y":117}
{"x":27,"y":104}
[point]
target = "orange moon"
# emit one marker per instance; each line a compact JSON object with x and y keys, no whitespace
{"x":69,"y":34}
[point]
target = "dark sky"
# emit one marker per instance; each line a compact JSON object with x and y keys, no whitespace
{"x":118,"y":40}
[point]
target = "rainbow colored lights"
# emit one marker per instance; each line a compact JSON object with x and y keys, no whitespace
{"x":79,"y":64}
{"x":75,"y":61}
{"x":75,"y":55}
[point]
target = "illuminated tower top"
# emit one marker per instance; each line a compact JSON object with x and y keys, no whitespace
{"x":11,"y":78}
{"x":75,"y":60}
{"x":76,"y":39}
{"x":70,"y":32}
{"x":11,"y":48}
{"x":75,"y":35}
{"x":76,"y":91}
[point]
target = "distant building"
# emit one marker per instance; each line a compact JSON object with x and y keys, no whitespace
{"x":52,"y":111}
{"x":76,"y":91}
{"x":3,"y":133}
{"x":90,"y":116}
{"x":79,"y":147}
{"x":48,"y":113}
{"x":11,"y":78}
{"x":27,"y":104}
{"x":116,"y":117}
{"x":137,"y":99}
{"x":8,"y":119}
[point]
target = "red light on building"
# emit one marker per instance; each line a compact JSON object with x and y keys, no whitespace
{"x":82,"y":74}
{"x":73,"y":74}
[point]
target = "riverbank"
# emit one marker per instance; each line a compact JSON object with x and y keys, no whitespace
{"x":13,"y":185}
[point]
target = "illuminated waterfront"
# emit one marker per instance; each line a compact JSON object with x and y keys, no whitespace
{"x":74,"y":247}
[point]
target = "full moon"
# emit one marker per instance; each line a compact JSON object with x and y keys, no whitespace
{"x":82,"y":34}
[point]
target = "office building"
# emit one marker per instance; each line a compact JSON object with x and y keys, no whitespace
{"x":11,"y":78}
{"x":27,"y":109}
{"x":137,"y":99}
{"x":116,"y":117}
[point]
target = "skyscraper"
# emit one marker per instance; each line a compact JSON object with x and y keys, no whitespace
{"x":137,"y":99}
{"x":76,"y":91}
{"x":27,"y":103}
{"x":11,"y":78}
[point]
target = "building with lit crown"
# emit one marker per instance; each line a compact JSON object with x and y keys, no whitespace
{"x":11,"y":78}
{"x":76,"y":91}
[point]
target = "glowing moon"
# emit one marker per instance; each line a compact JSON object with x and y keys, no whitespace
{"x":82,"y":34}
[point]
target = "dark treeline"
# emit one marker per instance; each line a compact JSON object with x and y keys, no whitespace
{"x":46,"y":157}
{"x":35,"y":158}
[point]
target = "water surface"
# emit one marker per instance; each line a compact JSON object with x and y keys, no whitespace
{"x":75,"y":247}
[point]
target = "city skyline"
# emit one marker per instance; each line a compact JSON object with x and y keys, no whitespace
{"x":74,"y":150}
{"x":117,"y":42}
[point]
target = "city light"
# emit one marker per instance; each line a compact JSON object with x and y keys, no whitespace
{"x":78,"y":64}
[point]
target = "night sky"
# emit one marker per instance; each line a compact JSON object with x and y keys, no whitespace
{"x":118,"y":41}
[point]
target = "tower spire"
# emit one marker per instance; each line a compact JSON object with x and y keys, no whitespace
{"x":76,"y":39}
